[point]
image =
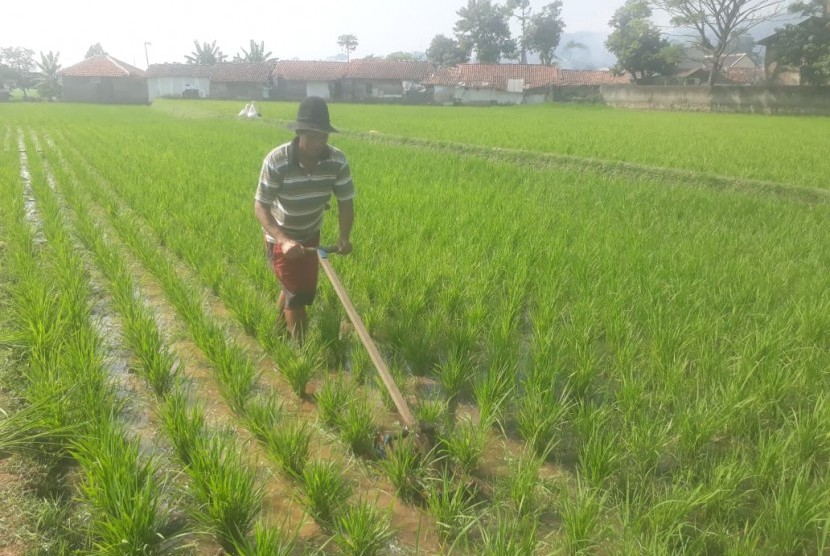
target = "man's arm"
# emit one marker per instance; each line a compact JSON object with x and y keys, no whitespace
{"x":345,"y":220}
{"x":290,"y":248}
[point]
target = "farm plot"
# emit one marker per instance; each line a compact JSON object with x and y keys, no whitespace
{"x":612,"y":363}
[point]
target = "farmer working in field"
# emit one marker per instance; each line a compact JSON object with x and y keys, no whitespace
{"x":295,"y":186}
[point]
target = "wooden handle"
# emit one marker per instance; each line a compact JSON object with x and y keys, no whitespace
{"x":369,"y":344}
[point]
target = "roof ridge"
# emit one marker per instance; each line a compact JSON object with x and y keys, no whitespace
{"x":117,"y":64}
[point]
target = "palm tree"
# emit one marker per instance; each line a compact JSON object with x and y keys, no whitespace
{"x":205,"y":54}
{"x":256,"y":53}
{"x":48,"y":83}
{"x":348,"y":43}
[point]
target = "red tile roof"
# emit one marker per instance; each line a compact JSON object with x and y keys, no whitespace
{"x":572,"y":78}
{"x":242,"y":72}
{"x":300,"y":70}
{"x":102,"y":65}
{"x":408,"y":70}
{"x":179,"y":70}
{"x":495,"y":76}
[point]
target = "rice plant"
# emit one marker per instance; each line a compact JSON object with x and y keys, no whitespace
{"x":332,"y":400}
{"x":453,"y":375}
{"x":451,"y":502}
{"x":405,"y":466}
{"x":263,"y":414}
{"x":269,"y":541}
{"x":492,"y":391}
{"x":540,"y":417}
{"x":288,"y":443}
{"x":358,"y":427}
{"x":465,"y":445}
{"x":520,"y":487}
{"x":582,"y":520}
{"x":325,"y":491}
{"x":299,"y":365}
{"x":362,"y":530}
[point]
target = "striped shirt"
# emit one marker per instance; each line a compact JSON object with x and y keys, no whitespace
{"x":298,"y":198}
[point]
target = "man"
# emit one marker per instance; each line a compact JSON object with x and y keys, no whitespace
{"x":295,"y":185}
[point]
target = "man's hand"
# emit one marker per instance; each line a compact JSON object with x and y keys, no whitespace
{"x":292,"y":249}
{"x":344,"y":246}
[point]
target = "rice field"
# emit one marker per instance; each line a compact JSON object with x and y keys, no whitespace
{"x":618,"y":324}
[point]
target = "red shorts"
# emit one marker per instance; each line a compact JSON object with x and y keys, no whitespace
{"x":298,"y":277}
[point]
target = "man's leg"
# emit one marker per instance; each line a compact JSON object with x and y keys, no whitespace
{"x":297,"y":321}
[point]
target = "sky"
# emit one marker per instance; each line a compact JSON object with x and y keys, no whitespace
{"x":291,"y":29}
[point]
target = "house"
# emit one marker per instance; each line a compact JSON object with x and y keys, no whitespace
{"x":493,"y":83}
{"x":584,"y":85}
{"x":385,"y":80}
{"x":178,"y":81}
{"x":242,"y":80}
{"x":104,"y":79}
{"x":296,"y":79}
{"x":736,"y":69}
{"x":782,"y":75}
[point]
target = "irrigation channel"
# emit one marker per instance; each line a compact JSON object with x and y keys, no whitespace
{"x":635,"y":385}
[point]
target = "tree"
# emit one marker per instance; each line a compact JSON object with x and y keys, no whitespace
{"x":445,"y":52}
{"x":205,"y":54}
{"x":48,"y":83}
{"x":255,"y":53}
{"x":640,"y":48}
{"x":20,"y":62}
{"x":715,"y":24}
{"x":405,"y":56}
{"x":522,"y":8}
{"x":545,"y":32}
{"x":95,"y":50}
{"x":807,"y":45}
{"x":348,"y":43}
{"x":483,"y":29}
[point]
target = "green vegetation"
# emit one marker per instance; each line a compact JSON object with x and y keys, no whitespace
{"x":611,"y":355}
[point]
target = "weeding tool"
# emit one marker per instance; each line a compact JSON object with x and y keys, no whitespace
{"x":365,"y":338}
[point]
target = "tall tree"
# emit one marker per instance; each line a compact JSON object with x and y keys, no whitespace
{"x":348,"y":43}
{"x":545,"y":31}
{"x":49,"y":83}
{"x":20,"y":63}
{"x":715,"y":24}
{"x":205,"y":54}
{"x":484,"y":29}
{"x":95,"y":50}
{"x":640,"y":48}
{"x":446,"y":52}
{"x":255,"y":53}
{"x":806,"y":46}
{"x":520,"y":9}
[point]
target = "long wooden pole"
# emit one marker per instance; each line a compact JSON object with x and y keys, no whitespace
{"x":368,"y":343}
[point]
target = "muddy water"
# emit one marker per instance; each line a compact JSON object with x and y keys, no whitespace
{"x":29,"y":203}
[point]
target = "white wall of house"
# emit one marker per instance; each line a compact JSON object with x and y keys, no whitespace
{"x":173,"y":86}
{"x":318,"y":89}
{"x":535,"y":98}
{"x":486,"y":96}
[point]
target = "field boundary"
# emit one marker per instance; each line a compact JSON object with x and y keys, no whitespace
{"x":798,"y":193}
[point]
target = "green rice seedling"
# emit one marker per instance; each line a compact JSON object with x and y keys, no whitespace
{"x":404,"y":465}
{"x":797,"y":510}
{"x":599,"y":457}
{"x":225,"y":488}
{"x":288,"y":443}
{"x":358,"y":427}
{"x":30,"y":429}
{"x":399,"y":376}
{"x":540,"y":418}
{"x":362,"y":530}
{"x":451,"y":503}
{"x":520,"y":487}
{"x":326,"y":491}
{"x":183,"y":423}
{"x":582,"y":520}
{"x":465,"y":445}
{"x":299,"y":365}
{"x":334,"y":345}
{"x":360,"y":365}
{"x":270,"y":541}
{"x":122,"y":492}
{"x":263,"y":414}
{"x":432,"y":413}
{"x":506,"y":533}
{"x":332,"y":400}
{"x":492,"y":391}
{"x":453,"y":375}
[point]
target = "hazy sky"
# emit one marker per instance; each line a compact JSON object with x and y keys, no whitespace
{"x":305,"y":29}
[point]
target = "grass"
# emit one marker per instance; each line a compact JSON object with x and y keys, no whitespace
{"x":325,"y":491}
{"x":362,"y":530}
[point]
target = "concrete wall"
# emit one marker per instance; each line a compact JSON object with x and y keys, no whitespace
{"x":239,"y":91}
{"x":106,"y":90}
{"x":174,"y":86}
{"x":764,"y":100}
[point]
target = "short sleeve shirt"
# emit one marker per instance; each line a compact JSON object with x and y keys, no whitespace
{"x":297,"y":197}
